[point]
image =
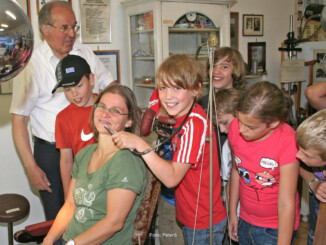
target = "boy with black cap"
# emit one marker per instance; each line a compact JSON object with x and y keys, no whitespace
{"x":72,"y":129}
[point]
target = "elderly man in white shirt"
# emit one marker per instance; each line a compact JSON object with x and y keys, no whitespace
{"x":32,"y":99}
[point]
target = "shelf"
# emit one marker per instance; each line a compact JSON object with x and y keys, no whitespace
{"x":142,"y":31}
{"x":144,"y":85}
{"x":252,"y":76}
{"x":174,"y":29}
{"x":143,"y":58}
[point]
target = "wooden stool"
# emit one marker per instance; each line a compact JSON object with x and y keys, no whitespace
{"x":13,"y":207}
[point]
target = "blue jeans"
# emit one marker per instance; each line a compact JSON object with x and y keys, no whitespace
{"x":311,"y":236}
{"x":254,"y":235}
{"x":202,"y":236}
{"x":313,"y":214}
{"x":60,"y":241}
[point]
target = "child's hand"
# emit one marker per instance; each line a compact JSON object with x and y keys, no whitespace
{"x":319,"y":188}
{"x":233,"y":227}
{"x":128,"y":140}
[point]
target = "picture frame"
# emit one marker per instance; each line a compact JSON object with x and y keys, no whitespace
{"x":111,"y":60}
{"x":95,"y":21}
{"x":26,"y":6}
{"x":253,"y":25}
{"x":40,"y":3}
{"x":318,"y":71}
{"x":234,"y":30}
{"x":257,"y":57}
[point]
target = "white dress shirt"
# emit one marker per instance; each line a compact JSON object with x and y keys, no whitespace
{"x":32,"y":88}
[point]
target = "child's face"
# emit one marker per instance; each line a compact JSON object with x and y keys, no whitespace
{"x":224,"y":120}
{"x":176,"y":101}
{"x":311,"y":157}
{"x":222,"y":74}
{"x":81,"y":94}
{"x":252,"y":129}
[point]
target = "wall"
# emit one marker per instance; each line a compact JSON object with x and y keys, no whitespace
{"x":13,"y":178}
{"x":276,"y":26}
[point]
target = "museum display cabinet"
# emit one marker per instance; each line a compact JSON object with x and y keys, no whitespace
{"x":159,"y":28}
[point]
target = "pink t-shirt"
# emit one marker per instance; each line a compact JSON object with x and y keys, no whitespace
{"x":259,"y":165}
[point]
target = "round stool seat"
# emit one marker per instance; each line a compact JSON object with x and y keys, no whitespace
{"x":13,"y":207}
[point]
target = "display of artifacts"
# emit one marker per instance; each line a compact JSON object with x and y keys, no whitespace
{"x":253,"y":25}
{"x":257,"y":57}
{"x":95,"y":21}
{"x":111,"y":60}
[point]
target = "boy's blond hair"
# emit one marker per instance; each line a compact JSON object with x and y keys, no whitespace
{"x":182,"y":71}
{"x":312,"y":133}
{"x":226,"y":101}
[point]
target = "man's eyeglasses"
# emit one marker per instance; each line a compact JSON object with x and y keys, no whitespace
{"x":101,"y":107}
{"x":65,"y":28}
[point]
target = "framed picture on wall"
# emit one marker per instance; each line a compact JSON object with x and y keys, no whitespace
{"x":95,"y":21}
{"x":257,"y":57}
{"x":234,"y":30}
{"x":25,"y":5}
{"x":253,"y":25}
{"x":111,"y":60}
{"x":319,"y":73}
{"x":40,"y":3}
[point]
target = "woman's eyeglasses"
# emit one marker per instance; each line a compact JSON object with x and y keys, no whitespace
{"x":101,"y":107}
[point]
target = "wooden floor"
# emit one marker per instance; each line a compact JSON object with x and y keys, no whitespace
{"x":302,"y":234}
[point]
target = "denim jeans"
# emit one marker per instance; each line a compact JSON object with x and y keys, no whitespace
{"x":313,"y":214}
{"x":202,"y":236}
{"x":311,"y":236}
{"x":60,"y":241}
{"x":255,"y":235}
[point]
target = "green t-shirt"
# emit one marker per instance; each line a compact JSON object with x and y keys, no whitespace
{"x":125,"y":171}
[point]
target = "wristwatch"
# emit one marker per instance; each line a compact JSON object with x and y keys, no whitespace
{"x":71,"y":242}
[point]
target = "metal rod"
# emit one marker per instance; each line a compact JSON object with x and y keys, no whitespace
{"x":212,"y":43}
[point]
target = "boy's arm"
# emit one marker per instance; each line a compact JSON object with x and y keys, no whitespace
{"x":286,"y":202}
{"x":234,"y":200}
{"x":316,"y":95}
{"x":169,"y":174}
{"x":318,"y":187}
{"x":66,"y":163}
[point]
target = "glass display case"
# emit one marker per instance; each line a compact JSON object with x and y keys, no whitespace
{"x":143,"y":54}
{"x":159,"y":28}
{"x":189,"y":35}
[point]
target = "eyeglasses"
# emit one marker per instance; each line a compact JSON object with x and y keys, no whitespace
{"x":101,"y":107}
{"x":65,"y":28}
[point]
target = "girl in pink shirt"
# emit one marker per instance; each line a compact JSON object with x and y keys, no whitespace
{"x":265,"y":169}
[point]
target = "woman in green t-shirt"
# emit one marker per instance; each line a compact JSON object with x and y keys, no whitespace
{"x":107,"y":183}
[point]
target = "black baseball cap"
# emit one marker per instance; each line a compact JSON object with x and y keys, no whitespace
{"x":70,"y":71}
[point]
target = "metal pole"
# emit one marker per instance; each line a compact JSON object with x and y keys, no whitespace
{"x":212,"y":43}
